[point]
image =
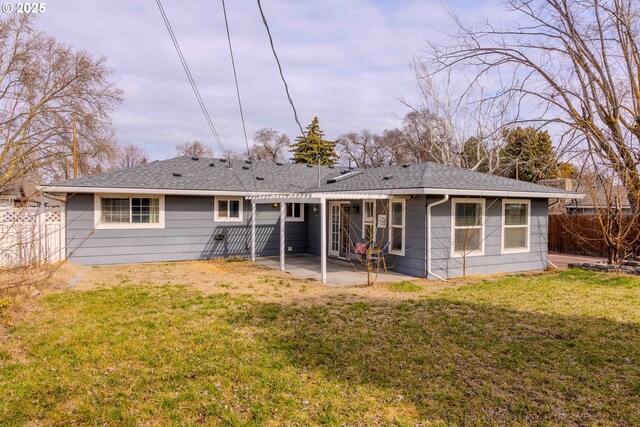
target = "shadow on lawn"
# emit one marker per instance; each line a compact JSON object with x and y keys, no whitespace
{"x":466,"y":363}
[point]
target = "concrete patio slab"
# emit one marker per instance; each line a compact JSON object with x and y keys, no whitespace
{"x":339,"y":273}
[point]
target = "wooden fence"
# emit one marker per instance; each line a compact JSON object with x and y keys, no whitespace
{"x":581,"y":235}
{"x":31,"y":235}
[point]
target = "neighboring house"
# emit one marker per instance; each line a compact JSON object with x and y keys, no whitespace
{"x":434,"y":217}
{"x":591,"y":200}
{"x":599,"y":200}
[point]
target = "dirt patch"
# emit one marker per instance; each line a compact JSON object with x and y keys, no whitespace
{"x":242,"y":278}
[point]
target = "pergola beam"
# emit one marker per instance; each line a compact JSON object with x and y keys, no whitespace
{"x":283,"y":218}
{"x":253,"y":231}
{"x":323,"y":240}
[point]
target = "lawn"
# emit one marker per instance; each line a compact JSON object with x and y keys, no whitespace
{"x":228,"y":343}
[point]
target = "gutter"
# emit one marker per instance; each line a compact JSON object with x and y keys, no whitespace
{"x":428,"y":238}
{"x":367,"y":193}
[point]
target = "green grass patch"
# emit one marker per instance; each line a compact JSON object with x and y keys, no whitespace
{"x":5,"y":302}
{"x":547,"y":349}
{"x":404,"y":286}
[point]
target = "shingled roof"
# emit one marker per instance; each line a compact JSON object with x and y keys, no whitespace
{"x":214,"y":174}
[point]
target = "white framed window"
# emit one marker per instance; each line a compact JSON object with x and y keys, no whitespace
{"x":467,"y":227}
{"x":516,"y":223}
{"x":397,"y":226}
{"x":227,"y":209}
{"x":128,"y":211}
{"x":295,"y":212}
{"x":369,"y":220}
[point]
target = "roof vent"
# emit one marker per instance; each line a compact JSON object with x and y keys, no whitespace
{"x":387,"y":177}
{"x":331,"y":166}
{"x":245,"y":167}
{"x":223,"y":160}
{"x":248,"y":162}
{"x":406,"y":165}
{"x":343,"y":177}
{"x":195,"y":158}
{"x":309,"y":165}
{"x":279,"y":163}
{"x":177,"y":174}
{"x":260,"y":178}
{"x":212,"y":164}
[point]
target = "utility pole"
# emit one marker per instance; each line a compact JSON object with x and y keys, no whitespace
{"x":75,"y":148}
{"x":517,"y":175}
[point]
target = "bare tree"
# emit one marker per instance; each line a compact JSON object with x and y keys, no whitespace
{"x":194,"y":149}
{"x":570,"y":63}
{"x":365,"y":149}
{"x":43,"y":84}
{"x":130,"y":155}
{"x":453,"y":124}
{"x":270,"y":145}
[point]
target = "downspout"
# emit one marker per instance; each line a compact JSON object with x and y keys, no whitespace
{"x":428,"y":238}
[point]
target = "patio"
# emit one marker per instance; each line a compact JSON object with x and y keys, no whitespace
{"x":339,"y":273}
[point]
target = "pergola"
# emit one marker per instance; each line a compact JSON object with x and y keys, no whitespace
{"x":308,"y":198}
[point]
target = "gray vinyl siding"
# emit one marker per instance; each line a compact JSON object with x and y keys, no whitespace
{"x":412,"y":263}
{"x":493,"y":261}
{"x":188,"y":234}
{"x":190,"y":229}
{"x":312,"y":219}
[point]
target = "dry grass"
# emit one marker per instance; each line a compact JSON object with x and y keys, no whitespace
{"x":18,"y":286}
{"x":213,"y":342}
{"x":241,"y":278}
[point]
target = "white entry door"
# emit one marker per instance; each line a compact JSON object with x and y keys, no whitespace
{"x":334,"y":229}
{"x":338,"y":229}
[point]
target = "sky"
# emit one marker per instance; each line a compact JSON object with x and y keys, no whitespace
{"x":346,"y":61}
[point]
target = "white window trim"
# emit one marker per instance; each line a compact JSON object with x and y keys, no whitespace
{"x":97,"y":212}
{"x":364,"y":234}
{"x":454,"y":201}
{"x":504,"y":250}
{"x":294,"y":219}
{"x":227,"y":219}
{"x":404,"y":226}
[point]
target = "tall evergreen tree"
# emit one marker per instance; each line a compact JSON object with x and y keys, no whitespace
{"x":312,"y":146}
{"x":528,"y":155}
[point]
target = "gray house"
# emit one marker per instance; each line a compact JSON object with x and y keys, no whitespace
{"x":432,"y":220}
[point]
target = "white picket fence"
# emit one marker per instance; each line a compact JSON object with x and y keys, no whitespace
{"x":32,"y":235}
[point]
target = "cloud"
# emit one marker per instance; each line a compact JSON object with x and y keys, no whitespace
{"x":346,"y":62}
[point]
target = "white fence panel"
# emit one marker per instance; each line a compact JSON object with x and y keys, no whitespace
{"x":32,"y":235}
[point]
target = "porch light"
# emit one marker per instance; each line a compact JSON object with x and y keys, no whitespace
{"x":275,"y":205}
{"x":355,"y":208}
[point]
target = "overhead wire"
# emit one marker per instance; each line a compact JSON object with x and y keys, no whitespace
{"x":192,"y":82}
{"x":284,"y":81}
{"x":235,"y":78}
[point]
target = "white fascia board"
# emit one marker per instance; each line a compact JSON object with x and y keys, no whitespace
{"x":171,"y":192}
{"x":458,"y":192}
{"x":371,"y":194}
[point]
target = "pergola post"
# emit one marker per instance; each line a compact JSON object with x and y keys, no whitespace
{"x":283,"y":218}
{"x":253,"y":231}
{"x":323,"y":240}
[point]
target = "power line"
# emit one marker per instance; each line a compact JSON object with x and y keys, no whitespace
{"x":286,"y":86}
{"x":195,"y":89}
{"x":235,"y":77}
